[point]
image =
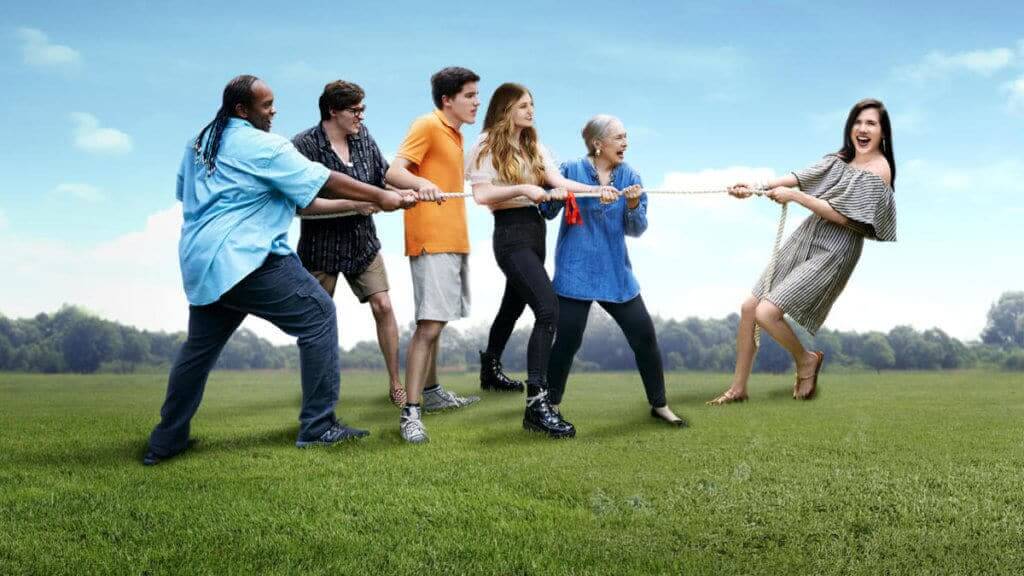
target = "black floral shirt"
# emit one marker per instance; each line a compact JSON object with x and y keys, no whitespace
{"x":345,"y":245}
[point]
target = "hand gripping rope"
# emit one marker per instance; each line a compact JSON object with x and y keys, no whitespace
{"x":573,"y":219}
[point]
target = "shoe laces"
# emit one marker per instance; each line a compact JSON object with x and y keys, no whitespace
{"x":412,"y":427}
{"x":540,"y":397}
{"x":451,"y":397}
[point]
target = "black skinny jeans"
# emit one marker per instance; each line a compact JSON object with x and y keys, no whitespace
{"x":635,"y":322}
{"x":519,"y":243}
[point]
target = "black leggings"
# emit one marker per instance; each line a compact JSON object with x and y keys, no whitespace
{"x":635,"y":322}
{"x":519,"y":235}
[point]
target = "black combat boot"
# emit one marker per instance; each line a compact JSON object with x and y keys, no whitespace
{"x":539,"y":417}
{"x":493,"y":378}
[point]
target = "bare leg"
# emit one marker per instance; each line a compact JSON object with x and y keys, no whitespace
{"x":387,"y":335}
{"x":745,"y":352}
{"x":431,"y":380}
{"x":417,"y":360}
{"x":745,"y":349}
{"x":769,"y":317}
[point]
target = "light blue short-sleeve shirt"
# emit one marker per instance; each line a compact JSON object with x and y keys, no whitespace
{"x":240,"y":213}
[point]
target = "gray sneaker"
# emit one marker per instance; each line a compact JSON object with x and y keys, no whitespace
{"x":412,"y":430}
{"x":441,"y":399}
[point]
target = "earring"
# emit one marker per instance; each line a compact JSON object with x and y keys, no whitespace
{"x":598,"y":153}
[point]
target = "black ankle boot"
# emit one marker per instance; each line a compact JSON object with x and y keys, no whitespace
{"x":493,"y":378}
{"x":539,"y":417}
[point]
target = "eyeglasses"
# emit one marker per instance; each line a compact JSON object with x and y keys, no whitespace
{"x":357,"y":110}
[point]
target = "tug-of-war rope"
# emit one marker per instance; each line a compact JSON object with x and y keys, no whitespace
{"x":759,"y":191}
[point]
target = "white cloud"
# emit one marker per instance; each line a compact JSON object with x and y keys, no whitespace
{"x":132,"y":279}
{"x":86,"y":192}
{"x":91,"y":137}
{"x":937,"y":65}
{"x":135,"y":279}
{"x":1015,"y":99}
{"x":716,"y":207}
{"x":37,"y":50}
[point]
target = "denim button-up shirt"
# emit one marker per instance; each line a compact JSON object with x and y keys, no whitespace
{"x":240,"y":213}
{"x":591,"y":262}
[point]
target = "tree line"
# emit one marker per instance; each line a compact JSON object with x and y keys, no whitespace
{"x":72,"y":340}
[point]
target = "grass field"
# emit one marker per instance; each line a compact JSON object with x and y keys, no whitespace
{"x":895,"y":473}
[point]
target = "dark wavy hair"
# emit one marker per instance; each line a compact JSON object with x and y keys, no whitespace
{"x":238,"y":91}
{"x":449,"y":82}
{"x":339,"y":95}
{"x":847,"y":152}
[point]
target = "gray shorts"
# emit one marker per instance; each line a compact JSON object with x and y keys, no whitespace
{"x":440,"y":286}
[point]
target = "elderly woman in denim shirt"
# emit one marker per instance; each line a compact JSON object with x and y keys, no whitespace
{"x":592,"y":265}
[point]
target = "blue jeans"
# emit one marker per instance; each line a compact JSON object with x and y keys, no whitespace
{"x":282,"y":292}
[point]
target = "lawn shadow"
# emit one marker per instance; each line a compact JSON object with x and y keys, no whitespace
{"x":625,"y":427}
{"x":781,"y":394}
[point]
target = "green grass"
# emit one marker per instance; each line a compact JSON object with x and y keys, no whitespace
{"x":898,"y":473}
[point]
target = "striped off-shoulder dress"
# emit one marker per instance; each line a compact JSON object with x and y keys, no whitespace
{"x":817,"y":259}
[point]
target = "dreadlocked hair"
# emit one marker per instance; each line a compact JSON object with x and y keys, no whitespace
{"x":238,"y":91}
{"x":519,"y":161}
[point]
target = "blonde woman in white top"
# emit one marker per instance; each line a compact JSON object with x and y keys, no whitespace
{"x":508,"y":169}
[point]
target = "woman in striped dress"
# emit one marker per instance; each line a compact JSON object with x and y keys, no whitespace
{"x":850,"y":196}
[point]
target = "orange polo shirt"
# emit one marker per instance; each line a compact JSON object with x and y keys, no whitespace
{"x":434,"y":147}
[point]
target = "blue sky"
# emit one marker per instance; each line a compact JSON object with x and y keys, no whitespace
{"x":100,"y":100}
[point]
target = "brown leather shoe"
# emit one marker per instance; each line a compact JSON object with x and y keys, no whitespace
{"x":814,"y":380}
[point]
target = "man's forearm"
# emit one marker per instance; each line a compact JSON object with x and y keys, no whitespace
{"x":343,"y":187}
{"x":403,"y":179}
{"x":330,"y":206}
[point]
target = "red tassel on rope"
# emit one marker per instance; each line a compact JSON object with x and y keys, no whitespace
{"x":572,"y":210}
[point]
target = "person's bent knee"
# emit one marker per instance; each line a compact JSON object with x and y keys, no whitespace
{"x":767,"y":313}
{"x":380,"y":305}
{"x":429,"y":329}
{"x":749,"y":306}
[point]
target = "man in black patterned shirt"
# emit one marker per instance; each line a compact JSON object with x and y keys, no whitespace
{"x":348,"y":245}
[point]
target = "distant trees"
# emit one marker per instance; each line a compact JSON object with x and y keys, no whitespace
{"x":72,"y":340}
{"x":877,"y":352}
{"x":1005,"y":325}
{"x":88,"y":342}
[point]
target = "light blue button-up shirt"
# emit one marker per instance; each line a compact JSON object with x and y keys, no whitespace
{"x":591,"y":261}
{"x":240,"y":213}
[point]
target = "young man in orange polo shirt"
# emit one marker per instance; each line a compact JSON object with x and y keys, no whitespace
{"x":430,"y":161}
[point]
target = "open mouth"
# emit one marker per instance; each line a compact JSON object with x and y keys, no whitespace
{"x":863,"y":141}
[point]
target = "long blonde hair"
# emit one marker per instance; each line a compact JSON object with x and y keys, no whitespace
{"x":511,"y":162}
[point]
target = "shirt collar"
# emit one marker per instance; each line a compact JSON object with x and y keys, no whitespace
{"x":444,"y":120}
{"x":592,"y":170}
{"x":320,"y":135}
{"x":235,"y":122}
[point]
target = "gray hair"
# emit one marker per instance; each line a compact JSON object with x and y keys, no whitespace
{"x":597,"y":128}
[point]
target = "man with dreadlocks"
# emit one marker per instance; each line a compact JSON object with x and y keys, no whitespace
{"x":240,"y":187}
